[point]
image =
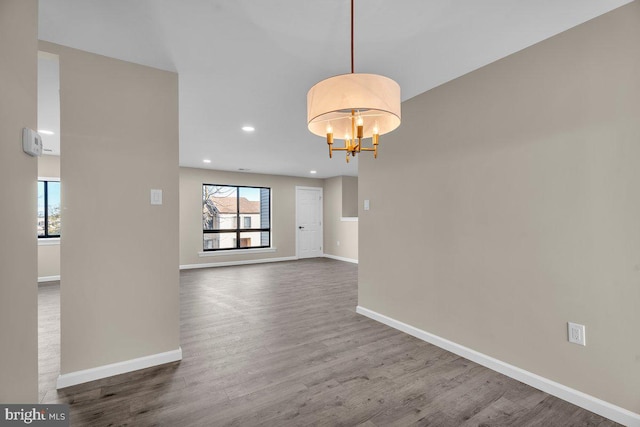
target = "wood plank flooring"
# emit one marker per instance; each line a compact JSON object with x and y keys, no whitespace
{"x":281,"y":345}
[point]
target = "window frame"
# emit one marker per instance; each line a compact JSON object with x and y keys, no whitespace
{"x":46,"y":181}
{"x":238,"y":221}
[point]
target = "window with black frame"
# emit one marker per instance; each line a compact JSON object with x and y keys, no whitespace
{"x":235,"y":217}
{"x":48,"y":209}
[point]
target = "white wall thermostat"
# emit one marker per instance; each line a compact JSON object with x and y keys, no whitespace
{"x":31,"y":142}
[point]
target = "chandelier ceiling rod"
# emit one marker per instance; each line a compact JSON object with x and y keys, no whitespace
{"x":352,"y":67}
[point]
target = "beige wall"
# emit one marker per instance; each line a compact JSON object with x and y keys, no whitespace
{"x":48,"y":255}
{"x":119,"y":254}
{"x":48,"y":261}
{"x":18,"y":171}
{"x":49,"y":166}
{"x":349,"y":196}
{"x":524,"y":182}
{"x":283,"y":199}
{"x":340,"y":237}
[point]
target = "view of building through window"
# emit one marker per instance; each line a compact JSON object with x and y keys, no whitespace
{"x":48,"y":209}
{"x":235,"y":217}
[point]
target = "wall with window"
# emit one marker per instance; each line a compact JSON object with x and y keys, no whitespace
{"x":18,"y":194}
{"x":49,"y":249}
{"x":523,"y":188}
{"x":340,"y":223}
{"x":283,"y":233}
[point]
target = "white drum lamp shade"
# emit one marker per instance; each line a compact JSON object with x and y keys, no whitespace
{"x":332,"y":103}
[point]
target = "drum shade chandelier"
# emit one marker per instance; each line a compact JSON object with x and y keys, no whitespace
{"x":356,"y":106}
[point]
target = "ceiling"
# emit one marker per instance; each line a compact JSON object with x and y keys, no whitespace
{"x":251,"y":62}
{"x":49,"y":103}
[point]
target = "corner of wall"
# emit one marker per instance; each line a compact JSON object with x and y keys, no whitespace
{"x":18,"y":246}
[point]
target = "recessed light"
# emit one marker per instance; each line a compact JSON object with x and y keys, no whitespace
{"x":45,"y":132}
{"x":313,"y":172}
{"x":248,"y":128}
{"x":206,"y":161}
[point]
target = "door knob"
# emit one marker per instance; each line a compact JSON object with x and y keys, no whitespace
{"x":300,"y":227}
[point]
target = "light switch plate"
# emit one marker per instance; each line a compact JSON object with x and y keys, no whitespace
{"x":156,"y":197}
{"x":366,"y":205}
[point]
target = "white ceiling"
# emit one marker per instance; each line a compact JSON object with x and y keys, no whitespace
{"x":253,"y":61}
{"x":49,"y":103}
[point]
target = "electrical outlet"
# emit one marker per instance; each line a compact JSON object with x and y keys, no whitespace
{"x":576,"y":334}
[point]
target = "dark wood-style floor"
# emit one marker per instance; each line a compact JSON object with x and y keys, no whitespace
{"x":280,"y":344}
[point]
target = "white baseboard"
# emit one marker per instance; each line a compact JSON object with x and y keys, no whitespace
{"x":243,"y":262}
{"x":590,"y":403}
{"x":340,"y":258}
{"x":48,"y":278}
{"x":349,"y":219}
{"x":79,"y":377}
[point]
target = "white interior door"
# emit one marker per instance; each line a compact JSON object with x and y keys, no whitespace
{"x":309,"y":222}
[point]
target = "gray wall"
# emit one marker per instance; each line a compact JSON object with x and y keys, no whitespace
{"x":119,"y":254}
{"x":18,"y":192}
{"x":520,"y":186}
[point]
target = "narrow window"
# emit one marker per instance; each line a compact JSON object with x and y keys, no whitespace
{"x":48,"y":209}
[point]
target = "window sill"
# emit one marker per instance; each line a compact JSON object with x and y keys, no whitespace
{"x":236,"y":252}
{"x":51,"y":241}
{"x":349,"y":218}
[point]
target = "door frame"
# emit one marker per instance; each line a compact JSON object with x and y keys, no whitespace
{"x":300,"y":187}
